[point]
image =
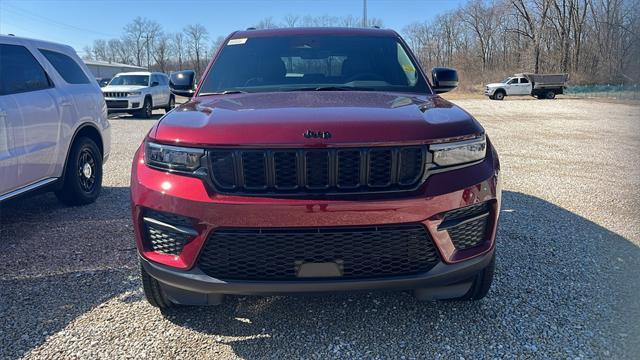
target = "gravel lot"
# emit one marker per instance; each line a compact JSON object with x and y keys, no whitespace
{"x":566,"y":281}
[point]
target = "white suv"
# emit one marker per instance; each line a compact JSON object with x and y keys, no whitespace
{"x":54,"y":131}
{"x":139,"y":93}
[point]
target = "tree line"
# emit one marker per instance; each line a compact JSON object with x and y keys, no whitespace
{"x":595,"y":41}
{"x":145,"y":43}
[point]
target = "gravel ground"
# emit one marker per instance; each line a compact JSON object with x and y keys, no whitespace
{"x":566,"y":283}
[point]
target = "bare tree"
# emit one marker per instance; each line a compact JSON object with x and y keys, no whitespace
{"x":291,"y":20}
{"x":87,"y":53}
{"x":561,"y":21}
{"x":534,"y":13}
{"x":135,"y":34}
{"x":100,"y":50}
{"x":579,"y":17}
{"x":161,"y":52}
{"x":121,"y":50}
{"x":215,"y":45}
{"x":594,"y":40}
{"x":266,"y":23}
{"x":178,"y":45}
{"x":350,"y":21}
{"x":196,"y":38}
{"x":152,"y":30}
{"x":481,"y":19}
{"x":375,"y":22}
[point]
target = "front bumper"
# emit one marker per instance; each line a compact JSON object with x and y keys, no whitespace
{"x":489,"y":91}
{"x":193,"y":198}
{"x":193,"y":287}
{"x":123,"y":104}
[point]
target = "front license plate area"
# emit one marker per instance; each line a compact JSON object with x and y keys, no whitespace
{"x":318,"y":269}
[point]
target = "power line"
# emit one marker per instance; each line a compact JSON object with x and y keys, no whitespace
{"x":24,"y":13}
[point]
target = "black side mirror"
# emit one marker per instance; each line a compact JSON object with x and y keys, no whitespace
{"x":155,"y":83}
{"x":182,"y":83}
{"x":444,"y":79}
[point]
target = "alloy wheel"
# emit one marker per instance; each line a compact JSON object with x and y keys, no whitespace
{"x":87,"y":170}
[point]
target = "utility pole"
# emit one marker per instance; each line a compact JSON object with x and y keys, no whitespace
{"x":364,"y":13}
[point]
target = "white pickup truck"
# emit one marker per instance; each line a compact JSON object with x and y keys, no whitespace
{"x":542,"y":86}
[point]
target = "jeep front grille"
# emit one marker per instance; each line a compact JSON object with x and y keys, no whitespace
{"x":320,"y":171}
{"x":115,"y":94}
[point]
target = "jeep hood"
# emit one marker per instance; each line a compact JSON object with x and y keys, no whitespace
{"x":123,"y":88}
{"x":281,"y":119}
{"x":495,"y":85}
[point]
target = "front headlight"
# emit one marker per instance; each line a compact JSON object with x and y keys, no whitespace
{"x":134,"y":93}
{"x":172,"y":157}
{"x":460,"y":152}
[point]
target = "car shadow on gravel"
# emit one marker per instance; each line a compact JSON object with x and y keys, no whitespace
{"x":564,"y":287}
{"x":32,"y":308}
{"x":59,"y":262}
{"x":44,"y":208}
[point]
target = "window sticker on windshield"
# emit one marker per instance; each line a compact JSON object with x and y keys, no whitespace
{"x":237,"y":41}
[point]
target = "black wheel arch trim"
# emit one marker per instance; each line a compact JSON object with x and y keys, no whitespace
{"x":73,"y":140}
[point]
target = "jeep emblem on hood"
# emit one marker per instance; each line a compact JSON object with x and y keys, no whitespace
{"x":317,"y":134}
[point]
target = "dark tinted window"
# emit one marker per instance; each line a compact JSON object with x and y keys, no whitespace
{"x":524,"y":81}
{"x":295,"y":62}
{"x":66,"y":67}
{"x":20,"y":71}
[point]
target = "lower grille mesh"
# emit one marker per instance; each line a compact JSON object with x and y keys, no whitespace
{"x":277,"y":254}
{"x":467,"y":227}
{"x":165,"y":241}
{"x":162,"y":239}
{"x":469,"y":234}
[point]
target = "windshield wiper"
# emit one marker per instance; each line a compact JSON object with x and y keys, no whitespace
{"x":331,"y":88}
{"x":226,"y":92}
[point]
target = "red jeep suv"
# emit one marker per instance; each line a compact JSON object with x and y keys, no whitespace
{"x":315,"y":160}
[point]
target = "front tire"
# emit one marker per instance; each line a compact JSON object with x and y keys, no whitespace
{"x":83,"y":174}
{"x":147,"y":109}
{"x":153,"y":291}
{"x":499,"y":95}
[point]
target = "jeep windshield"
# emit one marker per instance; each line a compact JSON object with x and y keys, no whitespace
{"x":139,"y":80}
{"x":313,"y":63}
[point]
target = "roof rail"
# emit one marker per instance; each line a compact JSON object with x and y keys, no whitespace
{"x":375,"y":26}
{"x":251,"y":28}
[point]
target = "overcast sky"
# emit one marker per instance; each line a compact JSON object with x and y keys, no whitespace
{"x":79,"y":22}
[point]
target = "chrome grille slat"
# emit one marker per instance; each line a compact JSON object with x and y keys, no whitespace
{"x":115,"y":94}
